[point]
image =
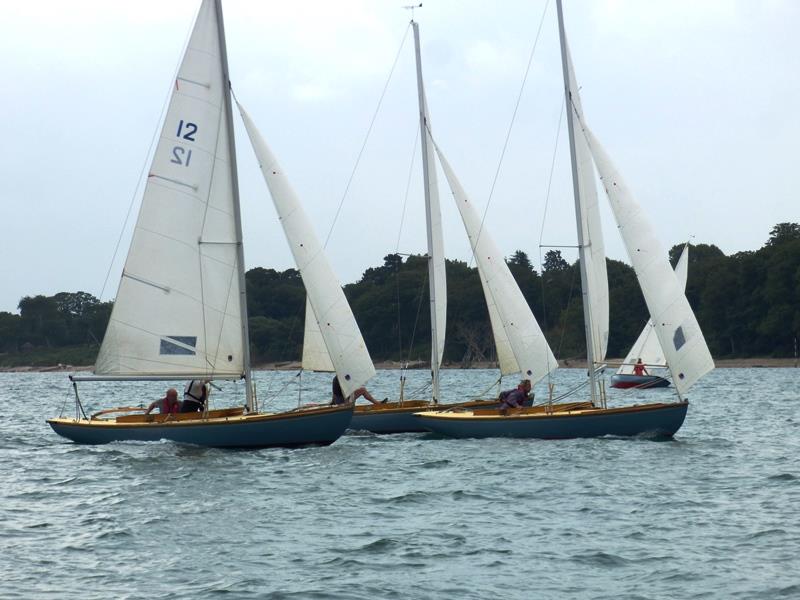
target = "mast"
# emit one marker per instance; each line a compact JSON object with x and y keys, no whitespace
{"x":423,"y":126}
{"x":587,"y":313}
{"x":236,"y":210}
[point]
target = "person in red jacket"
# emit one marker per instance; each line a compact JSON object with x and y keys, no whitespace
{"x":639,"y":368}
{"x":169,"y":404}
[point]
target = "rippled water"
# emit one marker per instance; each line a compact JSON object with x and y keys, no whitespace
{"x":711,"y":514}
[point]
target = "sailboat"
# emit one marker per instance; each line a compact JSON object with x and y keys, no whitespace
{"x":646,"y":349}
{"x":521,"y":345}
{"x":180,"y":310}
{"x":675,"y":325}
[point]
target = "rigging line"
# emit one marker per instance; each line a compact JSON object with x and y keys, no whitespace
{"x":397,"y":245}
{"x":544,"y":219}
{"x":366,"y":137}
{"x":416,"y":319}
{"x":511,"y":124}
{"x":148,"y":157}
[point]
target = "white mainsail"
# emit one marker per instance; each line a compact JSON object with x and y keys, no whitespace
{"x":594,"y":249}
{"x":646,"y":346}
{"x":521,"y":331}
{"x":437,"y":283}
{"x":177,"y":309}
{"x":315,"y":355}
{"x":337,"y":325}
{"x":679,"y":334}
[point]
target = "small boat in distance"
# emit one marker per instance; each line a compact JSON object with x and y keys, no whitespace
{"x":180,"y":311}
{"x":647,"y":348}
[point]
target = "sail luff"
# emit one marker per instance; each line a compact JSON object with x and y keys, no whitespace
{"x":338,"y":327}
{"x":576,"y":188}
{"x":436,"y":261}
{"x":676,"y":326}
{"x":237,"y":216}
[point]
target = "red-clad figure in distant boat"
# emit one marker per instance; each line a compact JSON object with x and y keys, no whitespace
{"x":639,"y":368}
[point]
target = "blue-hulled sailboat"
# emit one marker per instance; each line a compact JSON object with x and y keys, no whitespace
{"x":675,"y":325}
{"x":180,"y":311}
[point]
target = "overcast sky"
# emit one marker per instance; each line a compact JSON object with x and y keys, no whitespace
{"x":696,"y":101}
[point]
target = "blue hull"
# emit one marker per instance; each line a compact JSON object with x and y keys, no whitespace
{"x":641,"y":382}
{"x":315,"y":427}
{"x":659,"y":420}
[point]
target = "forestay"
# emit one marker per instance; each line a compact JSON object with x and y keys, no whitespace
{"x":520,"y":330}
{"x":679,"y":334}
{"x":594,"y":248}
{"x":646,"y":346}
{"x":337,"y":325}
{"x":177,"y":309}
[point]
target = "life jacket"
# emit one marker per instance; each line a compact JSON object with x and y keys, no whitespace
{"x":194,"y":390}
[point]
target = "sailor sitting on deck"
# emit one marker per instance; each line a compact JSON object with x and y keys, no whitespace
{"x":195,"y":396}
{"x":516,"y":398}
{"x":169,"y":404}
{"x":338,"y":396}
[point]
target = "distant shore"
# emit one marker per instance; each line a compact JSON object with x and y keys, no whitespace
{"x":722,"y":363}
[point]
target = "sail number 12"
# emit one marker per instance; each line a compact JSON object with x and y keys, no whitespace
{"x":180,"y":155}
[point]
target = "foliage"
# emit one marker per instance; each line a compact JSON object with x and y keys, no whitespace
{"x":748,"y":304}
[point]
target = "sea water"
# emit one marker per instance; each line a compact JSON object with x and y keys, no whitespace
{"x":713,"y":513}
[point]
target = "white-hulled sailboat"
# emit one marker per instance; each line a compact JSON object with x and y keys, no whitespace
{"x":675,"y":325}
{"x":646,"y":348}
{"x":180,"y":311}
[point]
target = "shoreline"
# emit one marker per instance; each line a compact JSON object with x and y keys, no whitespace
{"x":722,"y":363}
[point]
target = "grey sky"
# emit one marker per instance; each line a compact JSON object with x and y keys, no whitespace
{"x":696,"y":101}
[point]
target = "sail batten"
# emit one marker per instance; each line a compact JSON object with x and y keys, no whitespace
{"x":337,"y":326}
{"x":520,"y":331}
{"x":173,"y":284}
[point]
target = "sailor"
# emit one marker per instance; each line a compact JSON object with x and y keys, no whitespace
{"x":362,"y":392}
{"x":195,"y":396}
{"x":169,"y":404}
{"x":516,"y":398}
{"x":639,"y":369}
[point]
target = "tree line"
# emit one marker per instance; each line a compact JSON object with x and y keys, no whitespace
{"x":748,"y":304}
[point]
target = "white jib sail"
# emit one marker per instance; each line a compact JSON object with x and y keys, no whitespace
{"x":646,"y":346}
{"x":315,"y":355}
{"x":594,"y":252}
{"x":528,"y":344}
{"x":675,"y":324}
{"x":337,"y":325}
{"x":177,"y":306}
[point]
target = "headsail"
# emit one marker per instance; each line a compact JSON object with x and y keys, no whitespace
{"x":177,"y":309}
{"x":594,"y":248}
{"x":315,"y":355}
{"x":676,"y":326}
{"x":337,"y":325}
{"x":646,"y":346}
{"x":521,"y":331}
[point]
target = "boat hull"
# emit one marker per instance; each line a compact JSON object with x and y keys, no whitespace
{"x":659,"y":420}
{"x":304,"y":427}
{"x":394,"y":417}
{"x":638,"y":381}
